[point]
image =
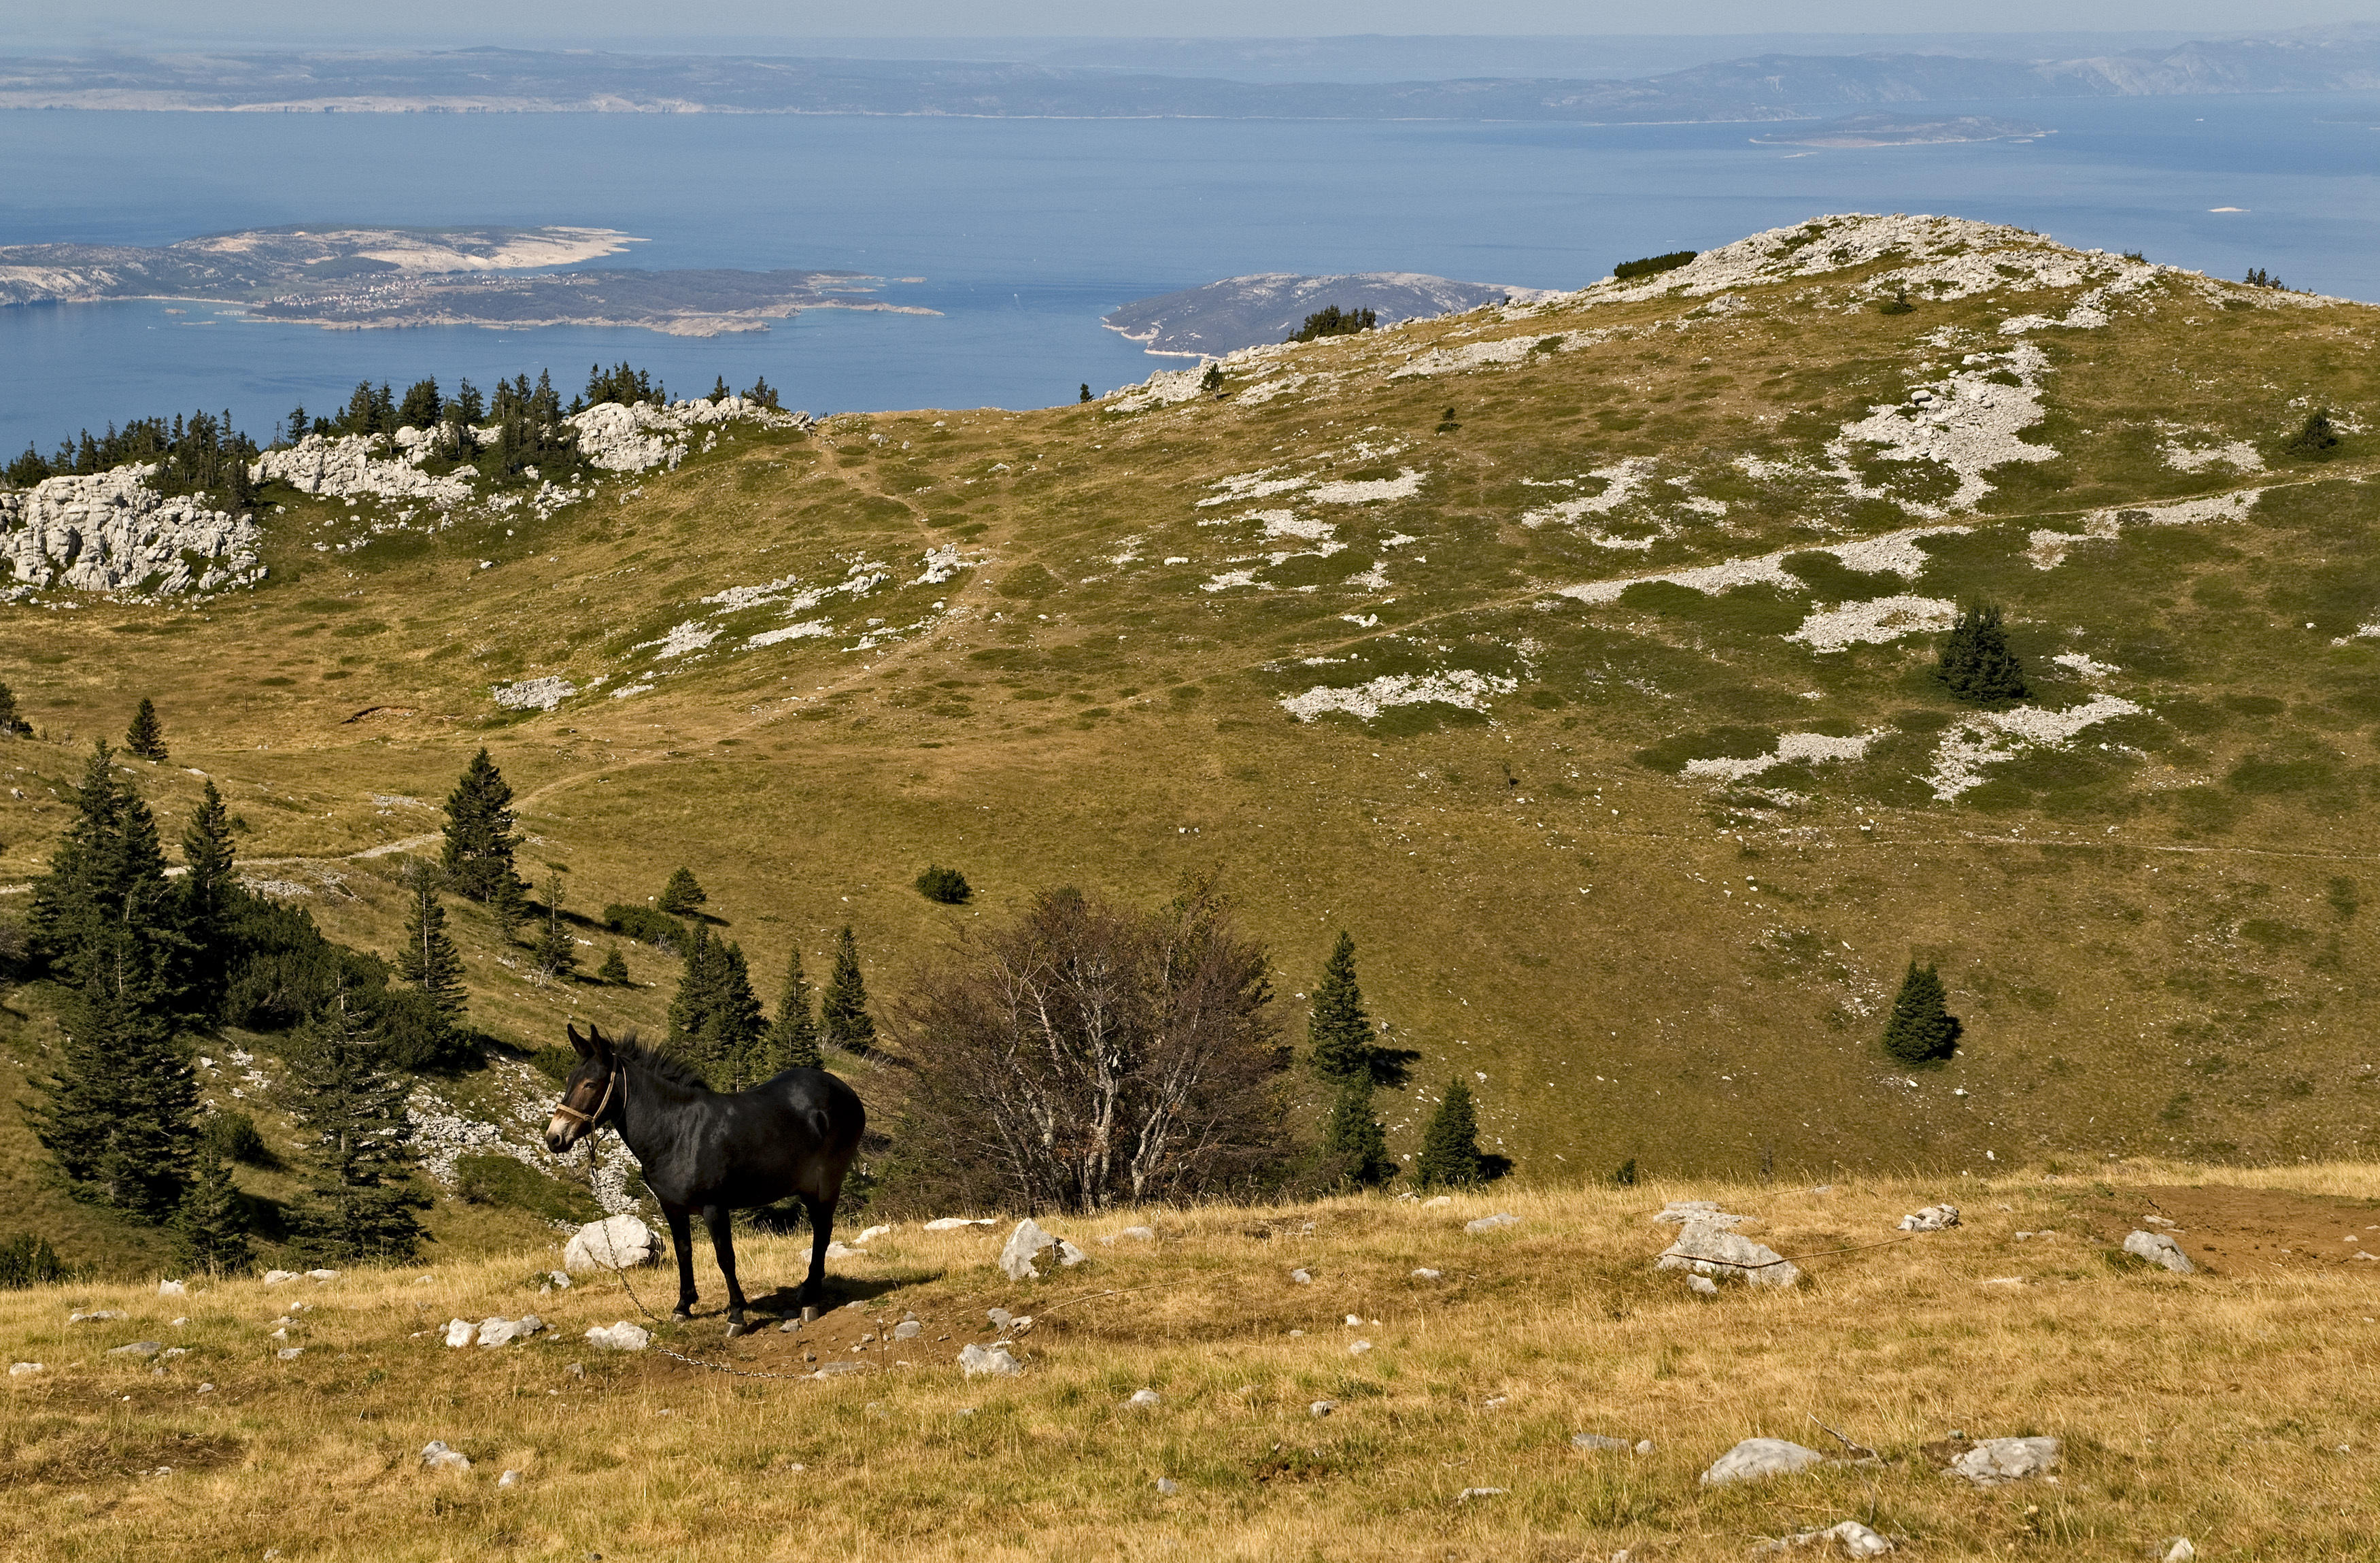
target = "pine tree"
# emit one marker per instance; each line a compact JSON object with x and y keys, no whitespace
{"x":211,"y":1226}
{"x":206,"y":899}
{"x":361,"y":1191}
{"x":613,"y":970}
{"x":1087,"y":391}
{"x":147,"y":736}
{"x":1353,"y":1138}
{"x":428,"y":958}
{"x":1976,"y":663}
{"x":510,"y":905}
{"x":734,"y":1031}
{"x":843,"y":1010}
{"x":2316,"y":440}
{"x":1450,"y":1146}
{"x":793,"y":1038}
{"x":557,"y":951}
{"x":681,"y":894}
{"x":697,"y":986}
{"x":1339,"y":1033}
{"x":479,"y":836}
{"x":1921,"y":1030}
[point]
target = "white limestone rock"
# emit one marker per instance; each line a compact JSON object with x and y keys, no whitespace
{"x":1854,"y":1539}
{"x":172,"y":1288}
{"x":111,"y":531}
{"x":952,"y":1223}
{"x":1024,"y":1245}
{"x":616,"y":1242}
{"x":1677,"y":1213}
{"x":1756,"y":1459}
{"x":2159,"y":1248}
{"x":458,"y":1332}
{"x":621,"y":1337}
{"x":1502,"y":1219}
{"x":1933,"y":1218}
{"x":1995,"y":1462}
{"x":344,"y":466}
{"x":993,"y":1359}
{"x":1709,"y":1249}
{"x":436,"y":1456}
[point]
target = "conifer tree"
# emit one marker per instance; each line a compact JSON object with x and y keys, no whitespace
{"x":1921,"y":1030}
{"x":555,"y":952}
{"x":698,"y":985}
{"x":1976,"y":663}
{"x":428,"y":958}
{"x":1339,"y":1033}
{"x":479,"y":836}
{"x":794,"y":1037}
{"x":210,"y":1229}
{"x":843,"y":1010}
{"x":207,"y":896}
{"x":613,"y":970}
{"x":361,"y":1191}
{"x":732,"y":1032}
{"x":681,"y":894}
{"x":1353,"y":1139}
{"x":510,"y":905}
{"x":147,"y":736}
{"x":1450,"y":1146}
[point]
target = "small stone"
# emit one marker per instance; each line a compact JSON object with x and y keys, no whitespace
{"x":1302,"y":1278}
{"x":1643,"y":1445}
{"x":576,"y":1370}
{"x":995,"y":1359}
{"x":171,"y":1288}
{"x":1997,"y":1462}
{"x":907,"y":1329}
{"x":1322,"y":1408}
{"x":18,"y":1370}
{"x":872,"y":1234}
{"x":1597,"y":1443}
{"x":1354,"y":1318}
{"x":96,"y":1316}
{"x":291,"y":1353}
{"x":179,"y":1322}
{"x":1425,"y":1275}
{"x":206,"y":1388}
{"x":621,"y":1337}
{"x":1855,"y":1540}
{"x":1146,"y":1398}
{"x":789,"y":1326}
{"x":1068,"y":1254}
{"x":436,"y":1456}
{"x":1933,"y":1218}
{"x":1491,"y":1223}
{"x":458,"y":1332}
{"x":558,"y":1279}
{"x":952,"y":1223}
{"x":1703,"y":1284}
{"x":1755,"y":1459}
{"x":509,"y":1479}
{"x":2159,"y":1248}
{"x":1442,"y":1199}
{"x":1168,"y":1485}
{"x":1468,"y":1494}
{"x":138,"y":1348}
{"x":2180,"y":1551}
{"x":1359,"y":1347}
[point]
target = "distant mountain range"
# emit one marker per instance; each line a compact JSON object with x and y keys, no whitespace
{"x":1760,"y":86}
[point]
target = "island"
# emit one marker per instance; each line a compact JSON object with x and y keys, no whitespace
{"x":1246,"y":311}
{"x":1900,"y":130}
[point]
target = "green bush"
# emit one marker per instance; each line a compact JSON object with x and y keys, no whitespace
{"x":553,"y":1063}
{"x":29,"y":1262}
{"x":1652,"y":265}
{"x":2317,"y":440}
{"x":233,"y":1136}
{"x":646,"y":926}
{"x":1332,"y":321}
{"x":498,"y":1180}
{"x":947,"y":886}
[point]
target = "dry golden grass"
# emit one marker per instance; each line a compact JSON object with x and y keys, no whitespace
{"x":2228,"y":1407}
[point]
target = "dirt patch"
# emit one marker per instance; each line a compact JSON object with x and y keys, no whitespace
{"x":2245,"y":1232}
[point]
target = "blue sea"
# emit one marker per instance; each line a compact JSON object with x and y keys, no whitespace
{"x":1023,"y":232}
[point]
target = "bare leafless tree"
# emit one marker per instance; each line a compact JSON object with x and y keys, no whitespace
{"x":1086,"y":1056}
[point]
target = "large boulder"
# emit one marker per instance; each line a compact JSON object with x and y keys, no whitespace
{"x":1707,"y":1249}
{"x":1756,"y":1459}
{"x":616,"y":1242}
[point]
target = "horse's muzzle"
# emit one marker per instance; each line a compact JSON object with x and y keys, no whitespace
{"x":561,"y":1133}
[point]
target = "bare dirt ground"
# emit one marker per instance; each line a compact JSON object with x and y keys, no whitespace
{"x":2248,"y":1232}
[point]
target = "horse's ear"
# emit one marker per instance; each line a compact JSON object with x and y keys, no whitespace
{"x":598,"y":1046}
{"x":578,"y":1044}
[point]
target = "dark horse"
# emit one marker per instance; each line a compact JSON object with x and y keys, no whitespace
{"x":704,"y":1151}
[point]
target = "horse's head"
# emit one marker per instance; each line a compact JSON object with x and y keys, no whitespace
{"x":590,"y":1096}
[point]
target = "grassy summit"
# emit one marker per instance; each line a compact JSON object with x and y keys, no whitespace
{"x":1577,"y":658}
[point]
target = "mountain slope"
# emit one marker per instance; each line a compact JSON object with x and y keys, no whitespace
{"x":1574,"y":657}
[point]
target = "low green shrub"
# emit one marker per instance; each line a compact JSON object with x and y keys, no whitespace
{"x":947,"y":886}
{"x":498,"y":1180}
{"x":1652,"y":265}
{"x":28,"y":1261}
{"x":233,"y":1136}
{"x":646,"y":926}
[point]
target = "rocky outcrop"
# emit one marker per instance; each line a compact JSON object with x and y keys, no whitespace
{"x":110,"y":532}
{"x":342,"y":465}
{"x":1704,"y":1249}
{"x":634,"y":437}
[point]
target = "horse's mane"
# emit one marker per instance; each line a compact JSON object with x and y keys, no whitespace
{"x":660,"y":1061}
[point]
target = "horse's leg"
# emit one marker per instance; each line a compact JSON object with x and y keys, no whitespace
{"x":813,"y":1292}
{"x":721,"y":1220}
{"x":682,"y":1239}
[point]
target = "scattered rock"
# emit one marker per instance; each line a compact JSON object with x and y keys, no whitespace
{"x":2159,"y":1248}
{"x":18,"y":1370}
{"x":142,"y":1348}
{"x":559,"y":1279}
{"x":1995,"y":1461}
{"x":458,"y":1332}
{"x":1069,"y":1255}
{"x":1000,"y":1318}
{"x":1710,"y":1250}
{"x":1468,"y":1494}
{"x":291,"y":1353}
{"x":275,"y":1277}
{"x":1703,"y":1285}
{"x":621,"y":1337}
{"x":2180,"y":1551}
{"x":1359,"y":1347}
{"x":576,"y":1370}
{"x":1677,"y":1213}
{"x":1491,"y":1223}
{"x":952,"y":1223}
{"x":870,"y":1234}
{"x":1322,"y":1408}
{"x":907,"y":1329}
{"x":509,"y":1479}
{"x":1145,"y":1398}
{"x":504,"y":1332}
{"x":319,"y":1275}
{"x":436,"y":1456}
{"x":1168,"y":1487}
{"x":1643,"y":1445}
{"x":838,"y":1249}
{"x":1855,"y":1539}
{"x":1441,"y":1199}
{"x":1427,"y":1275}
{"x":1024,"y":1245}
{"x":171,"y":1288}
{"x":974,"y":1360}
{"x":616,"y":1242}
{"x":1756,"y":1459}
{"x":206,"y":1388}
{"x":1137,"y":1234}
{"x":96,"y":1316}
{"x":1933,"y":1218}
{"x":1303,"y":1277}
{"x":1598,"y":1443}
{"x":836,"y":1370}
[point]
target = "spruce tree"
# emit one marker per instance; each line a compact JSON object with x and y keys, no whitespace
{"x":794,"y":1037}
{"x":509,"y":905}
{"x":1450,"y":1146}
{"x":843,"y":1010}
{"x":681,"y":894}
{"x":1976,"y":663}
{"x":479,"y":836}
{"x":361,"y":1191}
{"x":210,"y":1229}
{"x":555,"y":953}
{"x":428,"y":958}
{"x":613,"y":970}
{"x":697,"y":986}
{"x":207,"y":899}
{"x":1921,"y":1030}
{"x":1339,"y":1035}
{"x":734,"y":1031}
{"x":1352,"y":1139}
{"x":147,"y":736}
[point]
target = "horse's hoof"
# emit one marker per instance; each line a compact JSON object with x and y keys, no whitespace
{"x":683,"y":1315}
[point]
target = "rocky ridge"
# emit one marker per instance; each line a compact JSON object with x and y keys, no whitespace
{"x":110,"y":532}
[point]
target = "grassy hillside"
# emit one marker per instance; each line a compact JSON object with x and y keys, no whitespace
{"x":1574,"y":657}
{"x":2224,"y":1405}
